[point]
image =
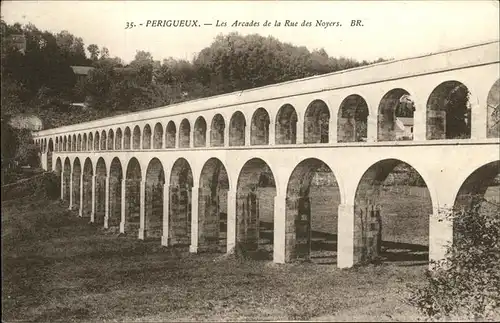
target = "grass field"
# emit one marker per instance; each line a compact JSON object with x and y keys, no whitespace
{"x":57,"y":267}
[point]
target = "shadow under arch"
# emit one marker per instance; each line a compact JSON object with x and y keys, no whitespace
{"x":115,"y":195}
{"x":132,"y":197}
{"x":153,"y":212}
{"x":180,"y":192}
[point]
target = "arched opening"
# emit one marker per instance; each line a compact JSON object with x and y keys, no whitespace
{"x":66,"y":180}
{"x":212,"y":206}
{"x":448,"y":112}
{"x":50,"y":149}
{"x":69,"y":144}
{"x":146,"y":137}
{"x":103,"y":140}
{"x":88,"y":175}
{"x":259,"y":131}
{"x":217,"y":131}
{"x":391,"y":214}
{"x":255,"y":209}
{"x":65,"y":144}
{"x":126,"y":139}
{"x":158,"y":136}
{"x":136,"y":138}
{"x":111,"y":139}
{"x":118,"y":139}
{"x":100,"y":191}
{"x":316,"y":123}
{"x":58,"y":171}
{"x":493,"y":110}
{"x":395,"y":116}
{"x":155,"y":181}
{"x":480,"y":192}
{"x":84,"y":142}
{"x":184,"y":134}
{"x":97,"y":141}
{"x":286,"y":125}
{"x":170,"y":135}
{"x":91,"y":142}
{"x":312,"y":202}
{"x":200,"y":132}
{"x":115,"y":194}
{"x":77,"y":175}
{"x":132,"y":197}
{"x":56,"y":147}
{"x":181,"y":184}
{"x":237,"y":127}
{"x":79,"y":143}
{"x":73,"y":143}
{"x":352,"y":119}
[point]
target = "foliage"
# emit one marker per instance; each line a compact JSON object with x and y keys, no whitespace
{"x":467,"y":284}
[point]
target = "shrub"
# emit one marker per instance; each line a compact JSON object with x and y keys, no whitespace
{"x":466,"y":285}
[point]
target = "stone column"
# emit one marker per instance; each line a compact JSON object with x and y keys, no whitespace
{"x":479,"y":122}
{"x":142,"y":214}
{"x":272,"y":133}
{"x":419,"y":122}
{"x":192,"y":136}
{"x":92,"y":211}
{"x":332,"y":130}
{"x":231,"y":220}
{"x":440,"y":234}
{"x":165,"y":234}
{"x":279,"y":229}
{"x":106,"y":203}
{"x":122,"y":220}
{"x":70,"y":190}
{"x":248,"y":133}
{"x":300,"y":131}
{"x":193,"y":248}
{"x":80,"y":213}
{"x":62,"y":185}
{"x":345,"y":244}
{"x":372,"y":124}
{"x":226,"y":135}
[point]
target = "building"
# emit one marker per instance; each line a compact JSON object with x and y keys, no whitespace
{"x":404,"y":128}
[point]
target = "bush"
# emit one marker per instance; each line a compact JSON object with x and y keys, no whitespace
{"x":466,"y":285}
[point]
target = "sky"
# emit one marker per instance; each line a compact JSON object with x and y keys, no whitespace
{"x":389,"y":29}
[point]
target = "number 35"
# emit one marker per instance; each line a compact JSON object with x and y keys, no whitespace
{"x":129,"y":25}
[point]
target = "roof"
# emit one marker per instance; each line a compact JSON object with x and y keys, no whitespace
{"x":81,"y":70}
{"x":406,"y":121}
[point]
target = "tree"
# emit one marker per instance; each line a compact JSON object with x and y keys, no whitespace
{"x":94,"y":52}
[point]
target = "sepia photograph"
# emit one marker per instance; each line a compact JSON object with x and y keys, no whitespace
{"x":250,"y":161}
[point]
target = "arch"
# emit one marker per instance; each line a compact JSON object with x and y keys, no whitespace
{"x":103,"y":140}
{"x":259,"y":131}
{"x":312,"y":201}
{"x":73,"y":143}
{"x":56,"y":147}
{"x":91,"y":141}
{"x":100,"y":191}
{"x":352,"y":119}
{"x":217,"y":131}
{"x":136,"y":138}
{"x":180,"y":190}
{"x":58,"y":168}
{"x":76,"y":177}
{"x":126,"y":139}
{"x":316,"y":123}
{"x":255,"y":194}
{"x":395,"y":116}
{"x":69,"y":144}
{"x":132,"y":196}
{"x":66,"y":180}
{"x":146,"y":137}
{"x":286,"y":125}
{"x":212,"y":206}
{"x":97,"y":141}
{"x":115,"y":193}
{"x":118,"y":139}
{"x":237,"y":126}
{"x":79,"y":143}
{"x":111,"y":139}
{"x":158,"y":136}
{"x":155,"y":181}
{"x":184,"y":134}
{"x":84,"y":142}
{"x":170,"y":135}
{"x":448,"y":112}
{"x":200,"y":132}
{"x":493,"y":111}
{"x":87,"y":177}
{"x":65,"y":144}
{"x":50,"y":149}
{"x":386,"y":190}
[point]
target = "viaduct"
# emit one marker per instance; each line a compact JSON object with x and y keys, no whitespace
{"x":176,"y":172}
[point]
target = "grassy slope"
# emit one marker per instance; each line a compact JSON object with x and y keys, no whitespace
{"x":56,"y":267}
